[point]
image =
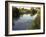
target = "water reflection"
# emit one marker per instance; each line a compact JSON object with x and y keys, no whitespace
{"x":23,"y":22}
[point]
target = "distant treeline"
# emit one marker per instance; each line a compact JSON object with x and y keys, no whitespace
{"x":18,"y":11}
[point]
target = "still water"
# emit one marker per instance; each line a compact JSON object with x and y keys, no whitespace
{"x":23,"y":22}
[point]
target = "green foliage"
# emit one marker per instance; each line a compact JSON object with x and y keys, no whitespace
{"x":33,"y":11}
{"x":36,"y":22}
{"x":22,"y":10}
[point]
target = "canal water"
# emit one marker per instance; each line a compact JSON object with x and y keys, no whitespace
{"x":24,"y":22}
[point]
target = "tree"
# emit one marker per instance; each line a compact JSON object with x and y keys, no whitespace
{"x":33,"y":11}
{"x":15,"y":12}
